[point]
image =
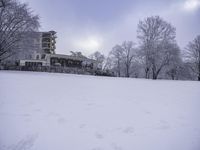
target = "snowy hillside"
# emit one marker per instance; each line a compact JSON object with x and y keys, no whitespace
{"x":46,"y":111}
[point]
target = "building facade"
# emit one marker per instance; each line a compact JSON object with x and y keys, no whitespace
{"x":34,"y":42}
{"x":48,"y":42}
{"x":37,"y":49}
{"x":59,"y":60}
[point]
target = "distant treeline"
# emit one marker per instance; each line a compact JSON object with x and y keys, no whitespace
{"x":156,"y":56}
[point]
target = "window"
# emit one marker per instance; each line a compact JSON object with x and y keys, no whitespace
{"x":38,"y":57}
{"x":43,"y":56}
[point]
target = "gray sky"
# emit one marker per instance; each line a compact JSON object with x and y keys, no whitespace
{"x":90,"y":25}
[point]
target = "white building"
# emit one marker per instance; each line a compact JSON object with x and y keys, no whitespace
{"x":34,"y":42}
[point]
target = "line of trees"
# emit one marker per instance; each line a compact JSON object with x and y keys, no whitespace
{"x":156,"y":56}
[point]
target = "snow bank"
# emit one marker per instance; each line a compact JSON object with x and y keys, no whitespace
{"x":46,"y":111}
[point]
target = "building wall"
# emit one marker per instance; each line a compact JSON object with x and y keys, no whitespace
{"x":49,"y":42}
{"x":33,"y":42}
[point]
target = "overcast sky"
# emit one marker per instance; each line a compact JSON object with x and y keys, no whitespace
{"x":91,"y":25}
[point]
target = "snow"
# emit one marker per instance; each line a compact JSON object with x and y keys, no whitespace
{"x":47,"y":111}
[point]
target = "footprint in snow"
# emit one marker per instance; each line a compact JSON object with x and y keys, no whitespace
{"x":128,"y":130}
{"x":82,"y":126}
{"x":26,"y":115}
{"x":99,"y":136}
{"x":90,"y":104}
{"x":116,"y":147}
{"x":163,"y":125}
{"x":147,"y":112}
{"x":97,"y":148}
{"x":61,"y":120}
{"x":28,"y":120}
{"x":52,"y":114}
{"x":37,"y":110}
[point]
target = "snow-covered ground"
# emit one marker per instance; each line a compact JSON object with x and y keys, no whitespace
{"x":46,"y":111}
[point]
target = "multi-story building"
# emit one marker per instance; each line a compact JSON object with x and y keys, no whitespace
{"x":48,"y":42}
{"x":38,"y":49}
{"x":34,"y":42}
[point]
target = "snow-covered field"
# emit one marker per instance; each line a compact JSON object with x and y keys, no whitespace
{"x":46,"y":111}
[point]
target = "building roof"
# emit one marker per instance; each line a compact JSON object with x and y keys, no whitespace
{"x":71,"y":57}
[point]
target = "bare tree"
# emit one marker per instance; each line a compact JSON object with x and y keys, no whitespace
{"x":157,"y":39}
{"x":122,"y":56}
{"x":128,"y":55}
{"x":175,"y":65}
{"x":2,"y":3}
{"x":193,"y":55}
{"x":15,"y":19}
{"x":100,"y":59}
{"x":116,"y":57}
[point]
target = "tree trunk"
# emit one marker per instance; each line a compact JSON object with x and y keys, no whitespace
{"x":199,"y":70}
{"x":154,"y":73}
{"x":147,"y":73}
{"x":119,"y":69}
{"x":119,"y":74}
{"x":173,"y":77}
{"x":127,"y":71}
{"x":155,"y":76}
